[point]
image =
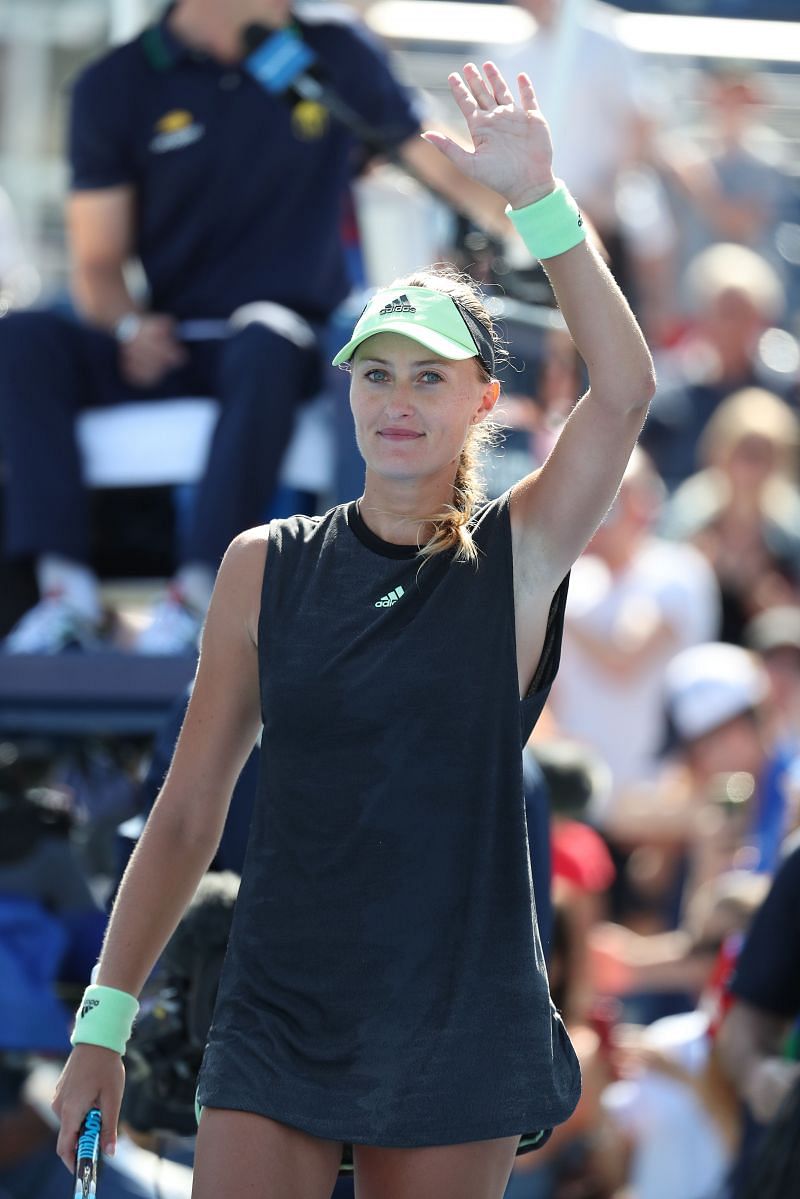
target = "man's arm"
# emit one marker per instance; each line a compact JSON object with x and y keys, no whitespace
{"x":766,"y":986}
{"x":101,"y":231}
{"x":481,"y":204}
{"x":750,"y":1043}
{"x":622,"y":656}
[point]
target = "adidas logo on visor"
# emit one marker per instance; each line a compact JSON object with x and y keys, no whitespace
{"x":401,"y":304}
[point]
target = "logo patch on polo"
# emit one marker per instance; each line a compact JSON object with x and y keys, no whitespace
{"x":401,"y":304}
{"x":175,"y":130}
{"x":309,"y":120}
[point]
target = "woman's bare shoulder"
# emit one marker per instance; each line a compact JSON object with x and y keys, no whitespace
{"x":246,"y":554}
{"x":241,"y":574}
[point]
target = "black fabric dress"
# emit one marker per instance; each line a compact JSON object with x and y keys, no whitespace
{"x":384,"y":982}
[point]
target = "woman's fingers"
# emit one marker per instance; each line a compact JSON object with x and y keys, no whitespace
{"x":483,"y":96}
{"x":500,"y":89}
{"x":462,"y":95}
{"x":71,"y":1118}
{"x":526,"y":93}
{"x":474,"y":93}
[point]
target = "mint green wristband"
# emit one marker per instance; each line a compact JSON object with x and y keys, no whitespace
{"x":105,"y":1017}
{"x":552,"y":225}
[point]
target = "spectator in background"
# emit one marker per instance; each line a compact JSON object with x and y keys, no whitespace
{"x":582,"y":869}
{"x":742,"y":509}
{"x":607,"y":112}
{"x":231,"y":197}
{"x":755,"y":1040}
{"x":775,"y":636}
{"x":635,"y":600}
{"x":670,"y":1092}
{"x":721,"y":801}
{"x":731,"y":176}
{"x":591,"y":85}
{"x":735,"y":297}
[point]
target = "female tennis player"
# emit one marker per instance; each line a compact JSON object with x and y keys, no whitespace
{"x":384,"y":1000}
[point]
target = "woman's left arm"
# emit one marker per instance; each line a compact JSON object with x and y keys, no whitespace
{"x":556,"y":510}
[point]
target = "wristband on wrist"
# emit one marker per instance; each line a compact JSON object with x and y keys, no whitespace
{"x":552,"y":225}
{"x":105,"y":1017}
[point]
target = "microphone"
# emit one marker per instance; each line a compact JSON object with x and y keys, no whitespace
{"x":277,"y":59}
{"x":282,"y":63}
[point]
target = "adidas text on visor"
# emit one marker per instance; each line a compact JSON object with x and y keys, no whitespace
{"x":433,"y":318}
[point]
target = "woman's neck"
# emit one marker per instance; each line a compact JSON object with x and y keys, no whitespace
{"x":400,"y":511}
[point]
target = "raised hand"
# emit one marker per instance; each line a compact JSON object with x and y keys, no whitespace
{"x":512,"y":150}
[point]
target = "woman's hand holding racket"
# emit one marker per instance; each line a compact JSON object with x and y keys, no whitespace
{"x":92,"y":1078}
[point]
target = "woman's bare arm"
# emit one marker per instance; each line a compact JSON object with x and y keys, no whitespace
{"x":186,"y":823}
{"x":183,"y":830}
{"x":556,"y":510}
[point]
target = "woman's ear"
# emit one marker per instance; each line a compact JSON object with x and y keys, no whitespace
{"x":491,"y":394}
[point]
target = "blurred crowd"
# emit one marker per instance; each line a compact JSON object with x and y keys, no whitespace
{"x":663,"y":781}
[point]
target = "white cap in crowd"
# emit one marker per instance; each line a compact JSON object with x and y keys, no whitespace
{"x":707,"y":685}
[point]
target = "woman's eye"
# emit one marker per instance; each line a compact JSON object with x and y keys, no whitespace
{"x":431,"y":377}
{"x":375,"y":374}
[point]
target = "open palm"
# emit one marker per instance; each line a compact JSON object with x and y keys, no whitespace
{"x":512,"y":150}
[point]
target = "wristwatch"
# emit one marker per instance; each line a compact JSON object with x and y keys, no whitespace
{"x":127,"y":326}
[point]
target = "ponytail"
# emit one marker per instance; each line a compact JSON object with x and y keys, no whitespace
{"x":451,"y":526}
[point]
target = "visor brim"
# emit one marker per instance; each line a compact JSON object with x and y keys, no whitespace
{"x":443,"y":347}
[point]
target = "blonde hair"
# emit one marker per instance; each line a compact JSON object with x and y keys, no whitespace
{"x":451,"y":526}
{"x":752,"y":412}
{"x":727,"y":266}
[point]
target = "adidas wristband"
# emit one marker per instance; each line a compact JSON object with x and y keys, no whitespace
{"x":105,"y":1017}
{"x":552,"y":225}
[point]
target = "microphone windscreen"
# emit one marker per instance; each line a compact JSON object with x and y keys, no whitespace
{"x":276,"y":58}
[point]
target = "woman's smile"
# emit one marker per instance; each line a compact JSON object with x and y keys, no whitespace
{"x":399,"y":433}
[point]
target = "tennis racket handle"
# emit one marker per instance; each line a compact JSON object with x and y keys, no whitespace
{"x":88,"y":1155}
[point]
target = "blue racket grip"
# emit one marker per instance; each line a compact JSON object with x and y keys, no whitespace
{"x":88,"y":1155}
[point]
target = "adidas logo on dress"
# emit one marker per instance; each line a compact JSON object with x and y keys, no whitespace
{"x":401,"y":304}
{"x":387,"y":601}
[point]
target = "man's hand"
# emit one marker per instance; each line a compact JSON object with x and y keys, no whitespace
{"x":771,"y":1079}
{"x":152,"y":352}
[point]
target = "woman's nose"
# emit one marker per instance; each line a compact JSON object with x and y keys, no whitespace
{"x":400,"y":401}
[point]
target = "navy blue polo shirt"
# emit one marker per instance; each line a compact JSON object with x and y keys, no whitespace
{"x":767,"y":973}
{"x":239,"y":193}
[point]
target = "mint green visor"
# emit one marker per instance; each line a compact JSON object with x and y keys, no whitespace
{"x":434,"y":319}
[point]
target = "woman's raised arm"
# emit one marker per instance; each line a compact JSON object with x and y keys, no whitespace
{"x":555,"y":511}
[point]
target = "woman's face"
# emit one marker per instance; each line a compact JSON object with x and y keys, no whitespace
{"x":734,"y":746}
{"x":413,"y":410}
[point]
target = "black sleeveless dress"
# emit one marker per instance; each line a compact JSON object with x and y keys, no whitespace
{"x":384,"y":982}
